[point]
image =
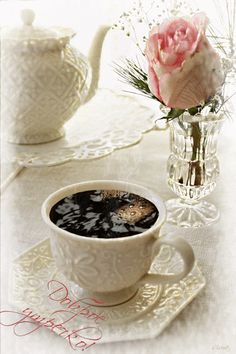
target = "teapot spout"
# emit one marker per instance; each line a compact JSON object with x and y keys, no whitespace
{"x":94,"y":59}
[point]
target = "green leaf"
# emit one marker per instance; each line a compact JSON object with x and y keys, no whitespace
{"x":193,"y":111}
{"x":173,"y":113}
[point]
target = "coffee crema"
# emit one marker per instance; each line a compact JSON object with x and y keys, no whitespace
{"x":104,"y":214}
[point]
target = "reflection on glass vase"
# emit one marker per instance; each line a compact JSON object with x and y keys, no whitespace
{"x":193,"y":169}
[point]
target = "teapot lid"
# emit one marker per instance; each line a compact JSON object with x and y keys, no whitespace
{"x":33,"y":37}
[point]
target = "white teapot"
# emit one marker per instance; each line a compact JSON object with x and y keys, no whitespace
{"x":44,"y":80}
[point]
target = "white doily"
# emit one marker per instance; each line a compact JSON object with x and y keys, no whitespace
{"x":109,"y":121}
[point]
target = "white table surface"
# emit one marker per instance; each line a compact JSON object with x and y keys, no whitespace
{"x":208,"y":324}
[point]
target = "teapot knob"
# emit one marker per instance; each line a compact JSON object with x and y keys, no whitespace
{"x":27,"y":16}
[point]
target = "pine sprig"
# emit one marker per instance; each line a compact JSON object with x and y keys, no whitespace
{"x":135,"y":76}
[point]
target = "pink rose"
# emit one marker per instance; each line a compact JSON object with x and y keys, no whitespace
{"x":184,"y":70}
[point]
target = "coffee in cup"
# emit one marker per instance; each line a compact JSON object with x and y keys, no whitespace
{"x":104,"y":214}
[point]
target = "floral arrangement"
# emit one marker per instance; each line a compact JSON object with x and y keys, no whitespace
{"x":185,"y":72}
{"x":188,"y":69}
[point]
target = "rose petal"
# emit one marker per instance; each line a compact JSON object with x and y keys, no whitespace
{"x":196,"y":81}
{"x":168,"y":59}
{"x":201,"y":21}
{"x":153,"y":31}
{"x":152,"y":48}
{"x":153,"y":83}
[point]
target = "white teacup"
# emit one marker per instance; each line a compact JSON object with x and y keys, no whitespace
{"x":112,"y":269}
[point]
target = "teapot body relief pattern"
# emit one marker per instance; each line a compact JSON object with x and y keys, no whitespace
{"x":44,"y":80}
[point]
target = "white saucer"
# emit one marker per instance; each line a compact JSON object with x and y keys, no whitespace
{"x":145,"y":315}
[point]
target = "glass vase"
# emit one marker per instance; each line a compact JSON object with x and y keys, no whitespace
{"x":193,"y":168}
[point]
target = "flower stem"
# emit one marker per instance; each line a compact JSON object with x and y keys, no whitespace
{"x":196,"y":168}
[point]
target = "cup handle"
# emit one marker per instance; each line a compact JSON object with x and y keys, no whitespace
{"x":186,"y":252}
